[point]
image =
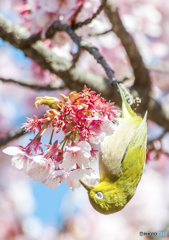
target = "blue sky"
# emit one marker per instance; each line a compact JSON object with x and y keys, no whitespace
{"x":48,"y":202}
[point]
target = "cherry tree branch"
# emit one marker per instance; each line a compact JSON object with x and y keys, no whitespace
{"x":142,"y":79}
{"x":74,"y":78}
{"x":35,"y":37}
{"x":142,"y":82}
{"x":100,"y":34}
{"x":58,"y":26}
{"x":50,"y":87}
{"x":11,"y":136}
{"x":76,"y":58}
{"x":89,"y":20}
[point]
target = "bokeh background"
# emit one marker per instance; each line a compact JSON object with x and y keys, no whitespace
{"x":29,"y":210}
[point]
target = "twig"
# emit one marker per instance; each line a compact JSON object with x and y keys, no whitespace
{"x":36,"y":37}
{"x":73,"y":20}
{"x":11,"y":136}
{"x":58,"y":26}
{"x":76,"y":58}
{"x":100,"y":34}
{"x":50,"y":87}
{"x":14,"y":135}
{"x":89,"y":20}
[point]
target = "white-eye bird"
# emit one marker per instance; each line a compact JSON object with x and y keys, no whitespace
{"x":121,"y":163}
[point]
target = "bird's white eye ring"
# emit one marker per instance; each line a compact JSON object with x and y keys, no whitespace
{"x":99,"y":195}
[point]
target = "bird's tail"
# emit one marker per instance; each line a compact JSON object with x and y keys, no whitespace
{"x":127,"y":112}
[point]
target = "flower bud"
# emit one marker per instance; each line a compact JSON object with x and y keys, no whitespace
{"x":49,"y":101}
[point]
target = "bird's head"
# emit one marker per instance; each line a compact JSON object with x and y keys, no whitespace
{"x":106,"y":198}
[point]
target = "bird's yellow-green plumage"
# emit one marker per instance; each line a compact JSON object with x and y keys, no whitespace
{"x":121,"y":163}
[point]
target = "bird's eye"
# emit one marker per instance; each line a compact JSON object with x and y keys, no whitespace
{"x":99,"y":195}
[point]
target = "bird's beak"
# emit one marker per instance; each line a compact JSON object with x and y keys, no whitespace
{"x":85,"y":186}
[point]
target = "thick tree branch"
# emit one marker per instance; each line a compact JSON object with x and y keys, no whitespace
{"x":142,"y":79}
{"x":74,"y":79}
{"x":50,"y":87}
{"x":59,"y":27}
{"x":157,"y":114}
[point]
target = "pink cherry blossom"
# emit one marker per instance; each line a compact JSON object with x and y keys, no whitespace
{"x":93,"y":154}
{"x":39,"y":168}
{"x":55,"y":179}
{"x":84,"y":118}
{"x":101,"y":126}
{"x":19,"y":158}
{"x":33,"y":147}
{"x":79,"y":154}
{"x":32,"y":125}
{"x":53,"y":152}
{"x":41,"y":14}
{"x":50,"y":6}
{"x":36,"y":167}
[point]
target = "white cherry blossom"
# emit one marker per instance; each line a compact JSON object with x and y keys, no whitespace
{"x":79,"y":154}
{"x":54,"y":179}
{"x":86,"y":175}
{"x":40,"y":168}
{"x":101,"y":126}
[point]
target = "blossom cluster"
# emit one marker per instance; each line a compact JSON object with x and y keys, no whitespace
{"x":38,"y":15}
{"x":85,"y":119}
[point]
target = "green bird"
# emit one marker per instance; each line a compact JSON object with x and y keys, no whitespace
{"x":121,"y":163}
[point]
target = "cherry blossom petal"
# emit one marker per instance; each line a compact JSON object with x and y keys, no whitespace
{"x":40,"y":168}
{"x":101,"y":126}
{"x":54,"y":179}
{"x":19,"y":158}
{"x":73,"y":177}
{"x":12,"y":151}
{"x":79,"y":154}
{"x":89,"y":176}
{"x":19,"y":162}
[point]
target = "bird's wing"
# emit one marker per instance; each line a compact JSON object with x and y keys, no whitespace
{"x":114,"y":147}
{"x":139,"y":142}
{"x":134,"y":161}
